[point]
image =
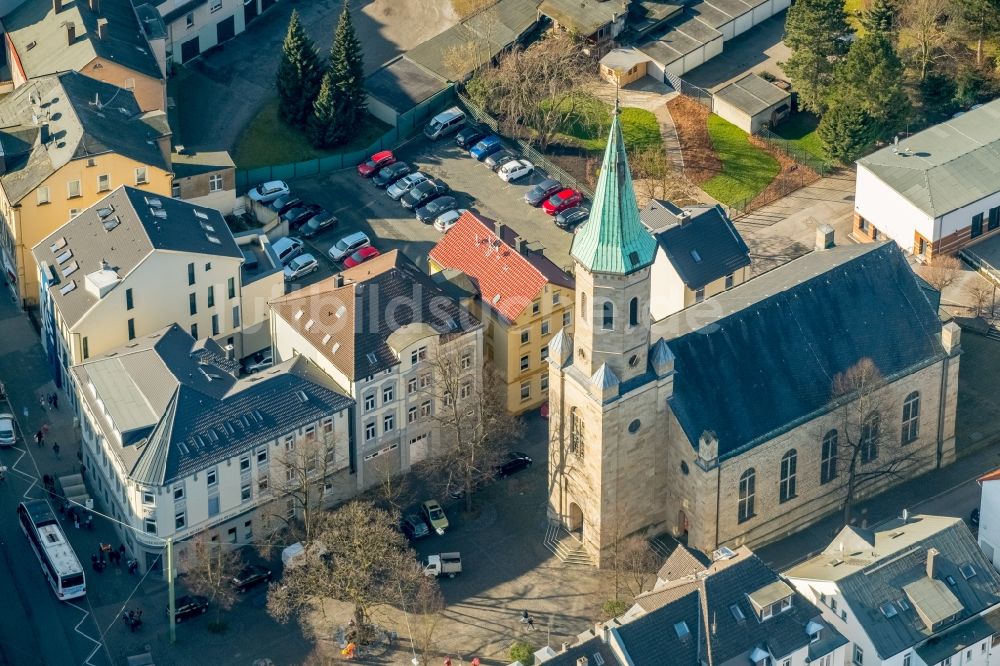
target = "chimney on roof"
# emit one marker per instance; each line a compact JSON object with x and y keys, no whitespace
{"x":932,"y":554}
{"x":102,"y":25}
{"x":522,"y":246}
{"x":230,"y":352}
{"x":951,"y":338}
{"x":338,"y":280}
{"x":582,"y":661}
{"x":565,"y":647}
{"x":70,"y":32}
{"x":95,"y":6}
{"x":56,"y":6}
{"x":824,"y":237}
{"x":601,"y":629}
{"x":104,"y":265}
{"x":498,"y":230}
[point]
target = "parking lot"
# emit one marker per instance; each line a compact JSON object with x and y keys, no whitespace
{"x":360,"y":206}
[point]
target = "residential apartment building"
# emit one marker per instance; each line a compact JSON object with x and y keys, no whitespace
{"x":175,"y":444}
{"x":522,"y":298}
{"x":98,"y":38}
{"x":733,"y":610}
{"x":699,"y":254}
{"x":989,"y":517}
{"x":916,"y":591}
{"x":133,"y":263}
{"x":195,"y":26}
{"x":378,"y":330}
{"x":722,"y":422}
{"x":68,"y":140}
{"x":206,"y":178}
{"x":934,"y":192}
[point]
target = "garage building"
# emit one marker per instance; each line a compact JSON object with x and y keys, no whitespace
{"x":751,"y":102}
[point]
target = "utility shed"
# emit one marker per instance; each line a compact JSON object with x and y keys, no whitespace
{"x":751,"y":102}
{"x":398,"y":87}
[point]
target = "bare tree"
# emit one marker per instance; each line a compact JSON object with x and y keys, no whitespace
{"x":427,"y":606}
{"x":982,"y":296}
{"x":540,"y":87}
{"x":942,"y":272}
{"x":300,"y":478}
{"x":392,"y":484}
{"x":923,"y":27}
{"x":365,"y":561}
{"x":865,"y":448}
{"x":471,"y":415}
{"x":209,"y":568}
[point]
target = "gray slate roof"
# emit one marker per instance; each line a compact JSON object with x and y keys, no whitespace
{"x":583,"y":16}
{"x":752,"y":94}
{"x":181,"y":408}
{"x":137,"y":234}
{"x":402,"y":84}
{"x":70,"y":127}
{"x":716,"y":636}
{"x":947,"y":166}
{"x":869,"y":577}
{"x":703,"y":244}
{"x":682,"y":562}
{"x":684,"y":34}
{"x":34,"y":23}
{"x":806,"y":317}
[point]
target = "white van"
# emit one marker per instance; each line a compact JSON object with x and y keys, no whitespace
{"x":445,"y":123}
{"x":287,"y":248}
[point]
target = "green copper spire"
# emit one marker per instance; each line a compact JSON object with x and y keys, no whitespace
{"x":613,"y":240}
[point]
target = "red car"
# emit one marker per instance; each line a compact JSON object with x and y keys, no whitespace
{"x":562,"y":200}
{"x":361,"y":256}
{"x":375,"y":162}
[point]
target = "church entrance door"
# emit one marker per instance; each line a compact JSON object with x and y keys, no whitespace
{"x":575,"y":523}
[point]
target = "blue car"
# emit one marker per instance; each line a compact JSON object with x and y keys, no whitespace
{"x":486,"y":147}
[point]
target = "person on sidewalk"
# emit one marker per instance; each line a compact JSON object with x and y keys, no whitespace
{"x":42,"y":402}
{"x":55,"y":400}
{"x":39,"y":438}
{"x":55,"y":449}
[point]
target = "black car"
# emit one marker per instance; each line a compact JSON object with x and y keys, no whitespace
{"x":571,"y":217}
{"x":285,"y":203}
{"x":188,"y":606}
{"x":542,"y":191}
{"x":296,"y":217}
{"x":513,"y":462}
{"x":499,"y":158}
{"x":413,"y":526}
{"x":390,"y":174}
{"x":469,"y":136}
{"x":250,"y":576}
{"x":429,"y":211}
{"x":319,"y":222}
{"x":424,"y":192}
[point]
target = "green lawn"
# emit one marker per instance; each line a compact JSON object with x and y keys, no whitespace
{"x":746,"y":169}
{"x":267,"y":140}
{"x":853,"y":8}
{"x":588,"y":126}
{"x":799,"y":129}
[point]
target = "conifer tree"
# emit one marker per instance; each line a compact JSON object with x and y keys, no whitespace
{"x":299,"y":74}
{"x":347,"y":73}
{"x":846,"y":131}
{"x":880,"y":17}
{"x":871,"y":78}
{"x":324,"y":127}
{"x":816,"y":32}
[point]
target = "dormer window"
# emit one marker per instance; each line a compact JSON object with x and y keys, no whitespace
{"x":771,"y":600}
{"x":814,"y":630}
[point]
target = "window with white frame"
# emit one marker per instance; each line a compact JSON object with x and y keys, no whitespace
{"x":262,"y":482}
{"x":567,"y":318}
{"x":150,"y":525}
{"x":466,"y":362}
{"x":211,"y":477}
{"x":43,"y":195}
{"x":104,"y":182}
{"x":370,"y":402}
{"x":411,"y":386}
{"x":545,"y":327}
{"x":262,"y":455}
{"x":309,"y":432}
{"x":73,"y":189}
{"x":215,"y":180}
{"x":327,"y":425}
{"x":388,"y":393}
{"x":388,"y":423}
{"x":411,"y":414}
{"x":245,"y":491}
{"x":148,"y":499}
{"x":214,"y":6}
{"x":465,"y":390}
{"x":418,"y":354}
{"x":370,"y":431}
{"x":425,"y":409}
{"x":911,"y":418}
{"x":425,"y":381}
{"x":289,"y":441}
{"x":180,"y":520}
{"x":178,"y":493}
{"x":244,"y":463}
{"x":141,"y":175}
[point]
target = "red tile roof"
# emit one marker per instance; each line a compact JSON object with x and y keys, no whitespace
{"x":507,"y":280}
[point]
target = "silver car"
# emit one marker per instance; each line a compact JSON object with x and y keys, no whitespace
{"x":8,"y":431}
{"x":405,"y":184}
{"x":300,"y":266}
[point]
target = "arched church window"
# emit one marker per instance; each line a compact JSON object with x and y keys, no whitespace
{"x":633,"y":312}
{"x":608,"y":320}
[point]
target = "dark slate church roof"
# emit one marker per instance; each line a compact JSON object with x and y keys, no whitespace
{"x":813,"y":317}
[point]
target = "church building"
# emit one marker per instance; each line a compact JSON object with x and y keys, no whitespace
{"x":723,"y":423}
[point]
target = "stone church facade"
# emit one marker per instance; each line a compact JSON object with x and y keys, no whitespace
{"x":719,"y":422}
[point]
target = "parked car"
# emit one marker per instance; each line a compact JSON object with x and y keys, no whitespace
{"x":287,"y":248}
{"x":260,"y":361}
{"x":250,"y":576}
{"x":571,"y":217}
{"x":448,"y":564}
{"x":446,"y":122}
{"x":562,"y":200}
{"x":348,"y":245}
{"x":371,"y":166}
{"x":515,"y":170}
{"x":269,"y":191}
{"x":318,"y":223}
{"x":8,"y":431}
{"x":446,"y":221}
{"x":513,"y":462}
{"x":361,"y":256}
{"x":469,"y":136}
{"x":298,"y":216}
{"x":284,"y":203}
{"x":424,"y":192}
{"x":188,"y":606}
{"x":405,"y":184}
{"x":486,"y":147}
{"x":435,"y":207}
{"x":498,"y":159}
{"x":300,"y":266}
{"x":434,"y":515}
{"x":413,"y":527}
{"x":542,"y":191}
{"x":390,"y":174}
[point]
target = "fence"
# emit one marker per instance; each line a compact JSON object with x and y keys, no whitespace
{"x":407,"y":124}
{"x":790,"y":150}
{"x":536,"y":158}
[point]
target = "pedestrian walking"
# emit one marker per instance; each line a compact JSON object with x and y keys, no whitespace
{"x":48,"y":399}
{"x":55,"y":449}
{"x":133,"y":566}
{"x":121,"y":549}
{"x":531,"y":624}
{"x":39,"y":438}
{"x":41,"y":402}
{"x":55,"y":400}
